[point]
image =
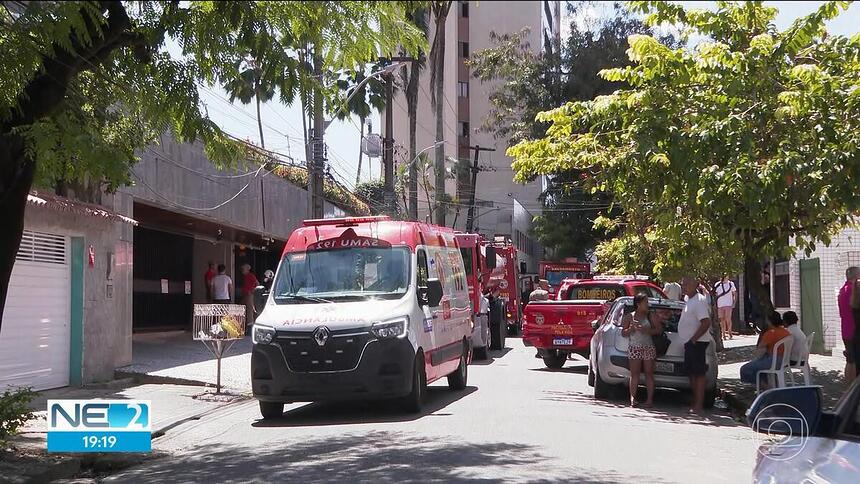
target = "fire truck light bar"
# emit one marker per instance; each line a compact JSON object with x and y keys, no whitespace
{"x":344,"y":220}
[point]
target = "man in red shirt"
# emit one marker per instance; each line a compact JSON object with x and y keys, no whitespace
{"x":207,"y":279}
{"x":249,"y":283}
{"x":848,"y":324}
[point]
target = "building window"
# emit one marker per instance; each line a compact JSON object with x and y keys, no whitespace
{"x":463,"y":128}
{"x":464,"y":50}
{"x":464,"y":9}
{"x":781,"y":284}
{"x":463,"y":89}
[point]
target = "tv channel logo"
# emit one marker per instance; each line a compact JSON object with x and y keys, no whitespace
{"x":93,"y":425}
{"x":781,"y":432}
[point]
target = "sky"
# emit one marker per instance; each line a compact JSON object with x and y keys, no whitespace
{"x":282,"y":125}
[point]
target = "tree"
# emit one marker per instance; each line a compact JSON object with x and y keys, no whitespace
{"x":86,"y":84}
{"x":411,"y":77}
{"x":439,"y":10}
{"x":529,"y":83}
{"x":747,"y":143}
{"x":252,"y":83}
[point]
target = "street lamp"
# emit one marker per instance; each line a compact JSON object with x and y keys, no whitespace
{"x":418,"y":155}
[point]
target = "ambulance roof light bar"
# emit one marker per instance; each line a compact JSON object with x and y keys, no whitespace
{"x":344,"y":220}
{"x":621,"y":278}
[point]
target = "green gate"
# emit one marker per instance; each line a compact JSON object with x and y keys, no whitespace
{"x":810,"y":302}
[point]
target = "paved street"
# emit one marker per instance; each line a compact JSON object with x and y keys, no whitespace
{"x":515,"y":422}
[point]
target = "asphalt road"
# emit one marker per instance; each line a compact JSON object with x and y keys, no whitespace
{"x":516,"y":422}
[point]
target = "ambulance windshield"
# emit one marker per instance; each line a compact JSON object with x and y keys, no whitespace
{"x":355,"y":273}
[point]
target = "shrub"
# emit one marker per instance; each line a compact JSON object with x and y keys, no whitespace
{"x":14,"y":412}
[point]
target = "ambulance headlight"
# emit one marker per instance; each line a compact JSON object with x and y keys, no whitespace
{"x":394,"y":328}
{"x":263,"y":335}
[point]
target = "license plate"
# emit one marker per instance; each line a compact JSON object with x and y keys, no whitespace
{"x":664,"y":367}
{"x":562,"y":341}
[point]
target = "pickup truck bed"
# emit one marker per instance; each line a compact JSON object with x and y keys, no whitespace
{"x":560,"y":328}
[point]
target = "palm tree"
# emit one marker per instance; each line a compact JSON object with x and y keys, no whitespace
{"x":251,"y":84}
{"x":439,"y":9}
{"x":410,"y":76}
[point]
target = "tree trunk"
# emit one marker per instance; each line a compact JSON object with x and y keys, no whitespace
{"x":438,"y":103}
{"x":260,"y":123}
{"x":360,"y":151}
{"x":752,"y":279}
{"x":16,"y":178}
{"x":412,"y":106}
{"x":716,"y":331}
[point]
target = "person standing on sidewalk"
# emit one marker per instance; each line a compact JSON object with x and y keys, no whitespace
{"x":694,"y":330}
{"x":673,"y":291}
{"x":846,"y":314}
{"x":249,"y":283}
{"x":541,"y":293}
{"x":207,"y":280}
{"x":727,"y":298}
{"x":222,"y":287}
{"x":639,"y":331}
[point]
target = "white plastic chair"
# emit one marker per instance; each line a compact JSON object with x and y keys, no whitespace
{"x":804,"y":368}
{"x":777,"y":368}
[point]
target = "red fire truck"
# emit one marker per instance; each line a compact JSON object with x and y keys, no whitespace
{"x":569,"y":268}
{"x":491,"y":265}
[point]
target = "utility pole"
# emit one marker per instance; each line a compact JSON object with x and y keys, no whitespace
{"x":470,"y":216}
{"x":388,"y":141}
{"x":316,"y":203}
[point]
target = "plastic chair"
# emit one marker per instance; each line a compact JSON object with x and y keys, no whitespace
{"x":777,"y":368}
{"x":803,"y":368}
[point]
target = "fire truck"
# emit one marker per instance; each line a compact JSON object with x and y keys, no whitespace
{"x":491,"y":265}
{"x":556,"y":272}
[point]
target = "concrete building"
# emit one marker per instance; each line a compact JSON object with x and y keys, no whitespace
{"x":88,"y":276}
{"x":466,"y":105}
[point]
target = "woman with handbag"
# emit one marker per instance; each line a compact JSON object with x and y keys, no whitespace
{"x":641,"y":353}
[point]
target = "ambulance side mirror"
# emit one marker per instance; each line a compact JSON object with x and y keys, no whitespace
{"x":431,"y":294}
{"x":491,"y":257}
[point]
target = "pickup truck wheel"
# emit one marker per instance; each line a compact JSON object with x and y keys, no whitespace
{"x":458,"y":379}
{"x":270,"y":410}
{"x":413,"y":402}
{"x":554,"y":359}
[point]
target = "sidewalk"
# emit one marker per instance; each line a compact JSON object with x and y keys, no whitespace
{"x":827,"y":371}
{"x":171,"y":405}
{"x":176,"y":356}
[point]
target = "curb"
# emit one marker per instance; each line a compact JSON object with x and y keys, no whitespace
{"x":144,"y":378}
{"x":162,"y":431}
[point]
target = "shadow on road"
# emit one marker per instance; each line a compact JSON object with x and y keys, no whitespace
{"x":574,"y":367}
{"x":377,"y":456}
{"x":492,"y":356}
{"x":344,"y":413}
{"x":669,"y":406}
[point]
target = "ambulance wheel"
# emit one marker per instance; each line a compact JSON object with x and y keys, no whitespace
{"x":554,"y":359}
{"x":271,"y":410}
{"x":457,"y":380}
{"x":481,"y":353}
{"x":414,"y":401}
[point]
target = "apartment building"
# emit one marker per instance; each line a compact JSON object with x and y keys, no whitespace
{"x":466,"y":105}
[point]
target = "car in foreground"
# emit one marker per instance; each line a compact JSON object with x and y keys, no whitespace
{"x":804,"y":443}
{"x":608,"y":366}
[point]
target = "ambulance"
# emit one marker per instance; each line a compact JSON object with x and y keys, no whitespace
{"x":362,"y":308}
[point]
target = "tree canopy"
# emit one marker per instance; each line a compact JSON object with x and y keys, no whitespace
{"x":746,"y":142}
{"x":84,"y":85}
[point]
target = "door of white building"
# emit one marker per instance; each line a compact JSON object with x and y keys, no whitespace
{"x":36,"y":331}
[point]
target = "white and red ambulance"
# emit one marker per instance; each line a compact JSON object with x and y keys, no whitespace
{"x":362,"y":308}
